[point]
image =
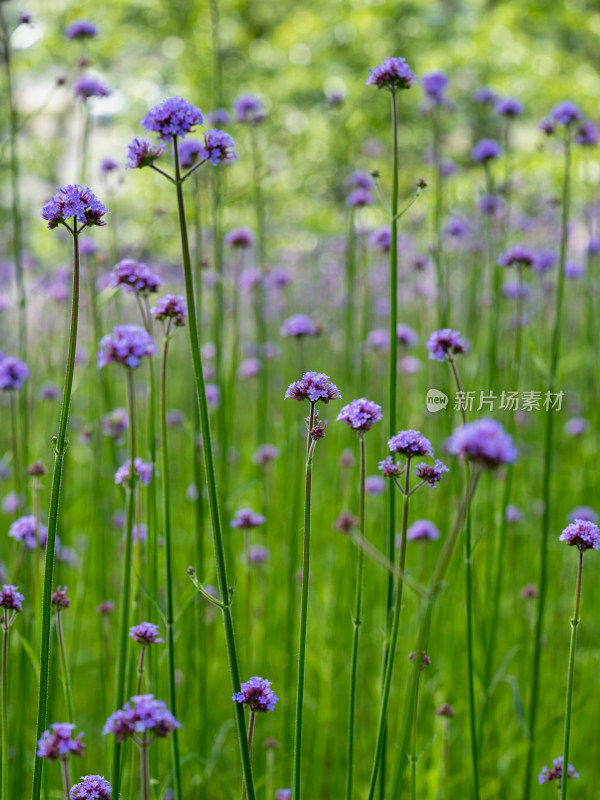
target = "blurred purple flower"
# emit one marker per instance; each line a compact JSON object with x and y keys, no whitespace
{"x":126,"y":345}
{"x":484,"y":442}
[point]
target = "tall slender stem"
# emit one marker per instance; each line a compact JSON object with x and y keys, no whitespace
{"x":64,"y":765}
{"x":357,"y":621}
{"x":546,"y":479}
{"x":438,"y":210}
{"x":168,"y":562}
{"x":4,"y":700}
{"x":65,"y":667}
{"x":296,"y":775}
{"x":211,"y":483}
{"x":145,"y":770}
{"x":60,"y":446}
{"x":350,"y":296}
{"x":140,"y":672}
{"x":415,"y":728}
{"x":570,"y":676}
{"x":251,"y":723}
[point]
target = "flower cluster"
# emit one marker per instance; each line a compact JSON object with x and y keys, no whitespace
{"x":410,"y":443}
{"x":28,"y":531}
{"x":583,"y":534}
{"x":313,"y":386}
{"x":248,"y":108}
{"x":13,"y":373}
{"x":57,"y":742}
{"x":142,"y":153}
{"x":171,"y":307}
{"x":142,"y":714}
{"x":145,"y":633}
{"x":257,"y":695}
{"x":555,"y":773}
{"x":241,"y":238}
{"x":434,"y":86}
{"x":431,"y":473}
{"x":81,"y":29}
{"x":189,"y":153}
{"x":74,"y":202}
{"x":218,"y":147}
{"x":518,"y":256}
{"x":508,"y":107}
{"x":86,"y":87}
{"x":133,"y":276}
{"x":445,"y":343}
{"x":114,"y":424}
{"x":92,"y":787}
{"x":360,"y":414}
{"x":422,"y":530}
{"x":143,"y":470}
{"x":484,"y":442}
{"x":245,"y":519}
{"x":392,"y":74}
{"x":11,"y":598}
{"x":299,"y":325}
{"x":172,"y":117}
{"x":389,"y":468}
{"x":127,"y":345}
{"x":59,"y":598}
{"x":485,"y":150}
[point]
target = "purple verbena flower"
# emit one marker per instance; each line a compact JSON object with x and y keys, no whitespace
{"x":283,"y":794}
{"x":517,"y":256}
{"x":456,"y":227}
{"x":142,"y":153}
{"x":410,"y":443}
{"x":484,"y":95}
{"x":170,"y":307}
{"x":220,"y":116}
{"x":358,"y":198}
{"x":555,"y":773}
{"x":485,"y":150}
{"x":422,"y":530}
{"x":360,"y":414}
{"x":143,"y":469}
{"x":381,"y":239}
{"x":245,"y":519}
{"x":173,"y":117}
{"x":313,"y":386}
{"x":92,"y":787}
{"x":127,"y":345}
{"x":56,"y":743}
{"x":108,"y":165}
{"x":190,"y":152}
{"x":265,"y":454}
{"x":509,"y":107}
{"x":544,"y":261}
{"x":86,"y":87}
{"x":484,"y":442}
{"x":566,"y":113}
{"x":218,"y":147}
{"x":585,"y":513}
{"x":133,"y":276}
{"x":432,"y":473}
{"x":360,"y":180}
{"x":587,"y":133}
{"x":59,"y":598}
{"x":141,"y":715}
{"x":114,"y":424}
{"x":445,"y":343}
{"x":583,"y":534}
{"x":81,"y":29}
{"x":375,"y":484}
{"x":249,"y":109}
{"x":389,"y":468}
{"x":258,"y":554}
{"x":392,"y":74}
{"x":74,"y":202}
{"x":11,"y":598}
{"x":241,"y":238}
{"x":434,"y":86}
{"x":299,"y":325}
{"x":26,"y":530}
{"x":489,"y":204}
{"x":257,"y":695}
{"x":145,"y":633}
{"x":406,"y":335}
{"x":249,"y":368}
{"x":13,"y":373}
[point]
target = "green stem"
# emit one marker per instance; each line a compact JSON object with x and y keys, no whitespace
{"x":250,"y":741}
{"x":296,"y":775}
{"x":570,"y":675}
{"x":390,"y":653}
{"x":211,"y":482}
{"x":413,"y":756}
{"x":438,"y":210}
{"x":138,"y":689}
{"x":447,"y":759}
{"x":145,"y":771}
{"x":65,"y":668}
{"x":357,"y":621}
{"x":350,"y":296}
{"x":60,"y":446}
{"x":64,"y":765}
{"x":4,"y":699}
{"x":168,"y":562}
{"x":546,"y":479}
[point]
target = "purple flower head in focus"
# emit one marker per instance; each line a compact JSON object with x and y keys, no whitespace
{"x":246,"y":518}
{"x":92,"y":787}
{"x":126,"y":345}
{"x":170,"y":307}
{"x":11,"y":598}
{"x":422,"y":530}
{"x":74,"y":202}
{"x":13,"y":373}
{"x":484,"y":442}
{"x":143,"y":470}
{"x":241,"y":238}
{"x":218,"y":147}
{"x":86,"y":87}
{"x":410,"y":443}
{"x":360,"y":414}
{"x":582,"y":533}
{"x":509,"y":107}
{"x":142,"y":153}
{"x":172,"y":117}
{"x":59,"y":598}
{"x":434,"y":86}
{"x":485,"y":150}
{"x":555,"y":773}
{"x":392,"y":74}
{"x":299,"y":325}
{"x":257,"y":695}
{"x":133,"y":276}
{"x":313,"y":386}
{"x":431,"y":473}
{"x":249,"y":109}
{"x":81,"y":29}
{"x":57,"y":743}
{"x":389,"y":468}
{"x":141,"y":715}
{"x":145,"y":633}
{"x":445,"y":343}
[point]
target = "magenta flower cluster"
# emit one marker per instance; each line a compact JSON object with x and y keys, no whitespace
{"x":246,"y":518}
{"x":11,"y":598}
{"x":218,"y":147}
{"x":313,"y":386}
{"x":249,"y":109}
{"x":126,"y":345}
{"x":142,"y":153}
{"x":28,"y":531}
{"x":13,"y":373}
{"x":410,"y":443}
{"x":555,"y":773}
{"x":582,"y":534}
{"x":143,"y":470}
{"x":392,"y":74}
{"x":257,"y":695}
{"x":92,"y":787}
{"x":445,"y":343}
{"x":172,"y":117}
{"x":431,"y":473}
{"x":145,"y":633}
{"x":171,"y":307}
{"x":484,"y":442}
{"x":133,"y":276}
{"x":74,"y":202}
{"x":241,"y":238}
{"x":360,"y":414}
{"x":299,"y":325}
{"x":142,"y":714}
{"x":58,"y":744}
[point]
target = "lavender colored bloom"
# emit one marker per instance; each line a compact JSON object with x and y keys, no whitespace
{"x":141,"y":715}
{"x":513,"y":513}
{"x":74,"y":202}
{"x":434,"y":86}
{"x":381,"y":239}
{"x":517,"y":256}
{"x":10,"y":503}
{"x":36,"y":470}
{"x":345,"y":523}
{"x":489,"y":204}
{"x":393,"y":74}
{"x":86,"y":87}
{"x":13,"y":373}
{"x":172,"y":117}
{"x":576,"y":426}
{"x":422,"y":530}
{"x":145,"y":633}
{"x":87,"y":247}
{"x":456,"y":227}
{"x":358,"y":198}
{"x":529,"y":591}
{"x":265,"y":454}
{"x":56,"y":743}
{"x":548,"y":126}
{"x":509,"y":107}
{"x":389,"y":468}
{"x":406,"y":335}
{"x":218,"y":147}
{"x":484,"y":95}
{"x":283,"y":794}
{"x":544,"y":261}
{"x":360,"y":180}
{"x":278,"y":278}
{"x":431,"y":473}
{"x":142,"y":153}
{"x":213,"y":395}
{"x":485,"y":150}
{"x":48,"y":391}
{"x":249,"y":109}
{"x":170,"y":307}
{"x":484,"y":442}
{"x":92,"y":787}
{"x":583,"y":513}
{"x":220,"y":116}
{"x":445,"y":343}
{"x":410,"y":443}
{"x":573,"y":270}
{"x":257,"y":695}
{"x":378,"y":339}
{"x":299,"y":325}
{"x":410,"y":365}
{"x":114,"y":424}
{"x":26,"y":530}
{"x":375,"y":484}
{"x":335,"y":98}
{"x":445,"y":710}
{"x":59,"y":598}
{"x":189,"y":152}
{"x":555,"y":773}
{"x":241,"y":238}
{"x":258,"y":554}
{"x":108,"y":165}
{"x":249,"y":368}
{"x":11,"y":598}
{"x":313,"y":386}
{"x":587,"y":133}
{"x":143,"y":469}
{"x":360,"y":414}
{"x":245,"y":519}
{"x":127,"y":345}
{"x":566,"y":113}
{"x":81,"y":29}
{"x":583,"y":534}
{"x":133,"y":276}
{"x":249,"y":278}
